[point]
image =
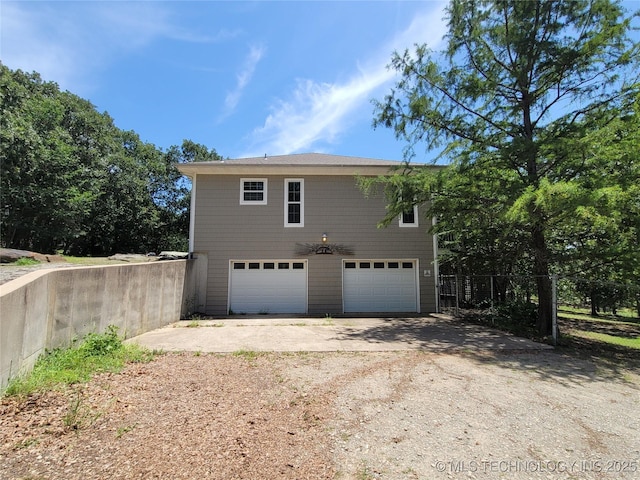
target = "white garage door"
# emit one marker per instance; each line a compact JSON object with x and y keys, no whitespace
{"x":268,"y":286}
{"x":380,"y":286}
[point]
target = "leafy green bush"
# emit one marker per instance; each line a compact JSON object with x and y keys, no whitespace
{"x":518,"y":311}
{"x":100,"y":344}
{"x":517,"y":317}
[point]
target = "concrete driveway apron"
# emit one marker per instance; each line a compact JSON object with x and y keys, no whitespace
{"x":289,"y":334}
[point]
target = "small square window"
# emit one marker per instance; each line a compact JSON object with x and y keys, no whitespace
{"x":283,"y":266}
{"x":350,"y":265}
{"x":393,"y":265}
{"x":298,"y":266}
{"x":365,"y":265}
{"x":378,"y":264}
{"x":253,"y":191}
{"x":254,"y":266}
{"x":407,"y":264}
{"x":238,"y":266}
{"x":269,"y":266}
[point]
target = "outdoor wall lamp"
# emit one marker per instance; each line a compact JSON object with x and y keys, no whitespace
{"x":324,"y":238}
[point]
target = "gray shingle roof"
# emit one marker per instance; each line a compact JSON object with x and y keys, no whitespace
{"x":312,"y":159}
{"x":295,"y":164}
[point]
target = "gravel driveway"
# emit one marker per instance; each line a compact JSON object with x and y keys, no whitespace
{"x":387,"y":415}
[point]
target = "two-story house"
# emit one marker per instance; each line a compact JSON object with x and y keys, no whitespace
{"x":295,"y":234}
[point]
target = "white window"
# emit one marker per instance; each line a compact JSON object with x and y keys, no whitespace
{"x":409,"y":218}
{"x":294,"y":202}
{"x":253,"y":191}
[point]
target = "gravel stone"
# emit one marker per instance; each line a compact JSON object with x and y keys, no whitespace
{"x":389,"y":415}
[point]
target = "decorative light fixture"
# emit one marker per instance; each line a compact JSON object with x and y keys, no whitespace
{"x":324,"y":238}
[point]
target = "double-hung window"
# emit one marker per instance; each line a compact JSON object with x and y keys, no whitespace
{"x":253,"y":191}
{"x":294,"y":202}
{"x":409,"y":218}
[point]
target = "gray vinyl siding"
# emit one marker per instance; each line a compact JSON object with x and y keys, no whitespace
{"x":334,"y":205}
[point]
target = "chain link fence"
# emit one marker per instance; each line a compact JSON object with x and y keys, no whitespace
{"x":515,"y":297}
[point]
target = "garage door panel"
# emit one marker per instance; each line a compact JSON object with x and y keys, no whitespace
{"x":391,"y":286}
{"x":268,"y":290}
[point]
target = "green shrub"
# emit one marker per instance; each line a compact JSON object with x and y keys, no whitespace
{"x":518,"y":311}
{"x":101,"y":344}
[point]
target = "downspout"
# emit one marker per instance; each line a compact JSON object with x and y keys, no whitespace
{"x":436,"y":267}
{"x":192,"y":216}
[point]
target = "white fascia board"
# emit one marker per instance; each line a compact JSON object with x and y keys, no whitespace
{"x":221,"y":168}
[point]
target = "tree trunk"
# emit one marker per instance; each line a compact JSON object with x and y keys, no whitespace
{"x":543,"y":281}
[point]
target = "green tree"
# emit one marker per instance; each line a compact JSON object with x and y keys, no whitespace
{"x":601,"y":240}
{"x":72,"y":181}
{"x":174,"y":190}
{"x":515,"y":91}
{"x":124,"y":217}
{"x":45,"y":193}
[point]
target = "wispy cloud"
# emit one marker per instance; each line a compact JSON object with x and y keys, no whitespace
{"x":243,"y":78}
{"x":316,"y":112}
{"x":72,"y":42}
{"x":27,"y":42}
{"x":321,"y":112}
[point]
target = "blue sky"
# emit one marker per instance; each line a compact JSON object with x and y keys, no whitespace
{"x":245,"y":78}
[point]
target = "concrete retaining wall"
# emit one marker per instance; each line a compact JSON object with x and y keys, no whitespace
{"x":47,"y":309}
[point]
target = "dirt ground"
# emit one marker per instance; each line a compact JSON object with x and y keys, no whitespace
{"x":402,"y":415}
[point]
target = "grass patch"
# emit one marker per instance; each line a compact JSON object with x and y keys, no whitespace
{"x":103,"y":352}
{"x":585,"y":314}
{"x":250,"y":356}
{"x":26,"y":262}
{"x":610,"y":339}
{"x":91,"y":260}
{"x":122,"y":430}
{"x":200,"y":323}
{"x":612,"y":319}
{"x":80,"y":414}
{"x":26,"y":443}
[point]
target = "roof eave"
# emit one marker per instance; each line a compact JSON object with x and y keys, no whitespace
{"x":220,"y":168}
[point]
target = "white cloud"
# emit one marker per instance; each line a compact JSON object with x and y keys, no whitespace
{"x":316,"y":112}
{"x":27,"y":43}
{"x":70,"y":43}
{"x":321,"y":112}
{"x":243,"y":78}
